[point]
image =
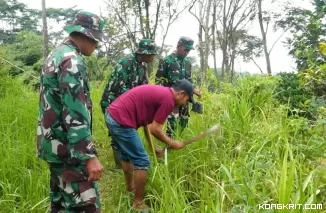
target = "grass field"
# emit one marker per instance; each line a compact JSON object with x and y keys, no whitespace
{"x":260,"y":156}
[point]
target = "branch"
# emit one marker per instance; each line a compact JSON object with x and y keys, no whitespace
{"x":140,"y":18}
{"x":122,"y":21}
{"x":228,"y":13}
{"x":244,"y":16}
{"x":261,"y":71}
{"x":269,"y":52}
{"x":156,"y":19}
{"x":148,"y":29}
{"x":194,"y":13}
{"x":267,"y":25}
{"x":181,"y":11}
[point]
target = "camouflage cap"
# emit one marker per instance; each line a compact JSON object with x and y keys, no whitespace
{"x":89,"y":24}
{"x":187,"y":42}
{"x":147,"y":47}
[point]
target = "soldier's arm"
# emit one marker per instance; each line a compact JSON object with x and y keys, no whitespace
{"x":160,"y":77}
{"x":75,"y":113}
{"x":105,"y":100}
{"x":118,"y":81}
{"x":173,"y":72}
{"x":115,"y":86}
{"x":188,"y":70}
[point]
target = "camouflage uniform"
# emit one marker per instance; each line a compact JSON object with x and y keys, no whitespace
{"x":127,"y":74}
{"x":64,"y":122}
{"x":171,"y":69}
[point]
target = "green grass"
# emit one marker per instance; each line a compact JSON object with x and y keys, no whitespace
{"x":260,"y":156}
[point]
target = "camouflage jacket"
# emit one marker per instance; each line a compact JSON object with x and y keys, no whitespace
{"x":173,"y":68}
{"x":127,"y":74}
{"x":65,"y":108}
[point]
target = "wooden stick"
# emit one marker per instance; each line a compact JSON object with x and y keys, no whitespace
{"x":149,"y":139}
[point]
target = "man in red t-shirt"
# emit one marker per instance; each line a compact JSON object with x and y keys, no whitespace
{"x":139,"y":107}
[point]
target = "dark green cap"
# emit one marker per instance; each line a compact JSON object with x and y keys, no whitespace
{"x":147,"y":47}
{"x":187,"y":42}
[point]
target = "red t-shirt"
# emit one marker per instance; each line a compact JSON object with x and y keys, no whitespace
{"x":142,"y":105}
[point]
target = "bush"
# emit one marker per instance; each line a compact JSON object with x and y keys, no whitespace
{"x":289,"y":92}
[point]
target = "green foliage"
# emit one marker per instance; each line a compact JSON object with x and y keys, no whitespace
{"x":307,"y":28}
{"x":27,"y":48}
{"x":97,"y":68}
{"x":22,"y":176}
{"x":211,"y":80}
{"x":255,"y":90}
{"x":260,"y":155}
{"x":289,"y":92}
{"x":313,"y":77}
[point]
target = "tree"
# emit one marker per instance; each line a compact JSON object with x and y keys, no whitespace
{"x":144,"y":18}
{"x":250,"y":47}
{"x":27,"y":48}
{"x":307,"y":30}
{"x":45,"y":31}
{"x":201,"y":10}
{"x":234,"y":19}
{"x":267,"y":18}
{"x":62,"y":17}
{"x":16,"y":17}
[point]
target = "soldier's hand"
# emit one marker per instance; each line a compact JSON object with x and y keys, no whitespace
{"x":197,"y":92}
{"x":94,"y":168}
{"x":177,"y":145}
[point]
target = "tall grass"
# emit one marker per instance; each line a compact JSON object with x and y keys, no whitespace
{"x":260,"y":156}
{"x":23,"y":178}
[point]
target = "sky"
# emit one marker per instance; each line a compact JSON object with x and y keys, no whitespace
{"x":187,"y":25}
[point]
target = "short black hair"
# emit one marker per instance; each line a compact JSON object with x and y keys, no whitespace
{"x":77,"y":34}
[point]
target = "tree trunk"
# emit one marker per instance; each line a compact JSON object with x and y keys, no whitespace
{"x":224,"y":41}
{"x":45,"y":32}
{"x":232,"y":59}
{"x":264,"y":39}
{"x":207,"y":37}
{"x":214,"y":41}
{"x":201,"y":52}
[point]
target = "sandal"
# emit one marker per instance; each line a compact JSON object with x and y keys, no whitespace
{"x":142,"y":207}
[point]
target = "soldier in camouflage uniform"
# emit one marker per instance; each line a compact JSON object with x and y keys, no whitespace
{"x":172,"y":68}
{"x":129,"y":72}
{"x":65,"y":115}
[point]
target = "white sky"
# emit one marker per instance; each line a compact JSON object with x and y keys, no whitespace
{"x":280,"y":60}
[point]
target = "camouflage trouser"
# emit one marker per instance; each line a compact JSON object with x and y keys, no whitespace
{"x":179,"y":117}
{"x":71,"y":192}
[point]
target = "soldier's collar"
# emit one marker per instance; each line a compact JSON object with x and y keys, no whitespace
{"x":67,"y":41}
